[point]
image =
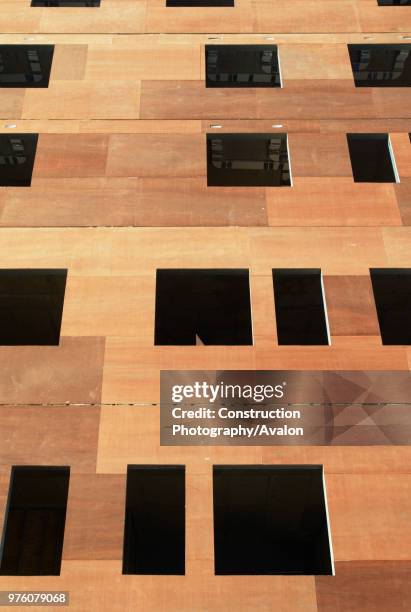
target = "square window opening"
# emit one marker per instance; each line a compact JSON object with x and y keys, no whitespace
{"x":203,"y":306}
{"x":372,"y":158}
{"x":31,"y":306}
{"x":271,"y":520}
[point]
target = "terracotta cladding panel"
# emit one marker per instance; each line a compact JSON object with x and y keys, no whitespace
{"x":119,"y":189}
{"x":350,"y":304}
{"x":374,"y":586}
{"x":70,"y":372}
{"x":55,"y":435}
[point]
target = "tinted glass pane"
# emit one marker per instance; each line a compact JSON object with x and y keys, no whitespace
{"x":203,"y":307}
{"x":270,"y":520}
{"x":189,"y":3}
{"x":392,"y":295}
{"x":381,"y":65}
{"x":17,"y":155}
{"x":394,"y":2}
{"x":248,"y":160}
{"x":371,"y":158}
{"x":299,"y":307}
{"x":25,"y":65}
{"x":68,"y":3}
{"x":242,"y":66}
{"x":154,"y":536}
{"x":34,"y":524}
{"x":31,"y":306}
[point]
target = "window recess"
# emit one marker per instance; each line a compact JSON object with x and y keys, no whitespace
{"x":25,"y":65}
{"x":17,"y":155}
{"x":392,"y":295}
{"x":31,"y":306}
{"x":154,"y":532}
{"x":34,"y":522}
{"x":300,"y":307}
{"x":242,"y":66}
{"x":204,"y":3}
{"x":271,"y":520}
{"x":381,"y":65}
{"x":372,"y":158}
{"x":248,"y":160}
{"x":203,"y":306}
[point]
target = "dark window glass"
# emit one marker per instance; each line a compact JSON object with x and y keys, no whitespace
{"x":371,"y":158}
{"x":190,"y":3}
{"x":154,"y":534}
{"x":270,"y":520}
{"x":392,"y":295}
{"x":203,"y":307}
{"x":242,"y":66}
{"x":299,"y":307}
{"x":17,"y":155}
{"x":31,"y":306}
{"x":34,"y":523}
{"x":381,"y":65}
{"x":68,"y":3}
{"x":394,"y":2}
{"x":248,"y":160}
{"x":25,"y":65}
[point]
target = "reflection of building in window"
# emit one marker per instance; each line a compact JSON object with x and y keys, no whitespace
{"x":242,"y":66}
{"x":17,"y":154}
{"x":381,"y":65}
{"x":248,"y":160}
{"x":17,"y":157}
{"x":25,"y":65}
{"x":35,"y":75}
{"x":68,"y":3}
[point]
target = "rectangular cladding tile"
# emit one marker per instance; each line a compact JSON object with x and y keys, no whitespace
{"x":366,"y":586}
{"x":351,"y":307}
{"x":95,"y":516}
{"x":43,"y":435}
{"x":71,"y":372}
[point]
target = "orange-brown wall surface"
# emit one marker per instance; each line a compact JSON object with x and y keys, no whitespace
{"x":119,"y":189}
